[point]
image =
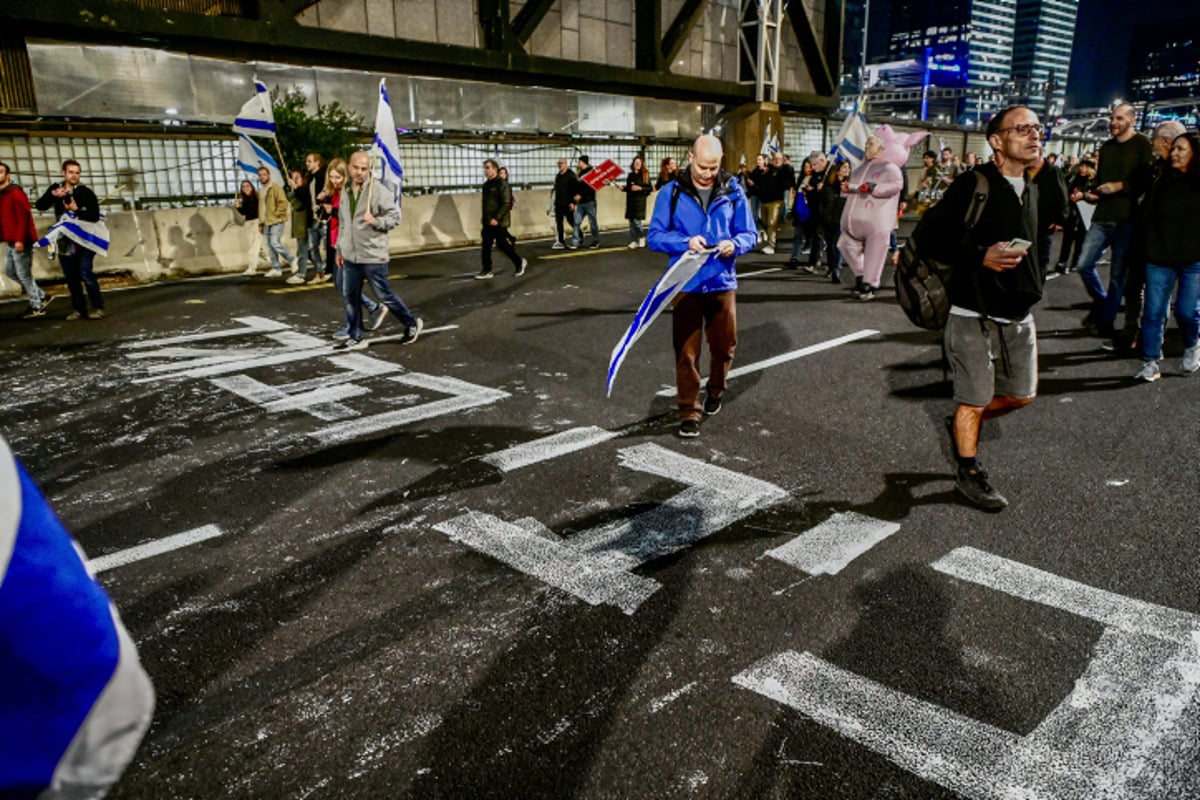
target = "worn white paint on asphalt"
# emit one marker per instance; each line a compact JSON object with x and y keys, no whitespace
{"x":155,"y":548}
{"x":463,"y":396}
{"x":1124,"y":732}
{"x":827,"y":548}
{"x":548,"y":447}
{"x":783,"y":358}
{"x":596,"y":565}
{"x":250,"y":325}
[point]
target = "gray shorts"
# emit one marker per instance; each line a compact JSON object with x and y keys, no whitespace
{"x":978,"y":361}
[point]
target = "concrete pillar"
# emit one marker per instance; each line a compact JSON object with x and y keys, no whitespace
{"x":744,"y":128}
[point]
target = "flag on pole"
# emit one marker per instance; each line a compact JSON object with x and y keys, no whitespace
{"x":75,"y":701}
{"x":251,"y":157}
{"x":92,"y":235}
{"x":386,"y":147}
{"x":256,"y":117}
{"x":770,"y":144}
{"x":852,"y":139}
{"x":670,"y":284}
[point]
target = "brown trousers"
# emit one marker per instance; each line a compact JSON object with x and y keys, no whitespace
{"x":716,"y":315}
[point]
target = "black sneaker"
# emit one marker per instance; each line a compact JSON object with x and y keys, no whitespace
{"x":485,"y":275}
{"x":973,"y":484}
{"x":712,"y":406}
{"x":594,"y":246}
{"x":350,"y":344}
{"x":793,"y":263}
{"x":868,"y":293}
{"x":689,"y":429}
{"x":412,"y":332}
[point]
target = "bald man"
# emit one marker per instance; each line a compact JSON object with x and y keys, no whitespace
{"x":704,"y":208}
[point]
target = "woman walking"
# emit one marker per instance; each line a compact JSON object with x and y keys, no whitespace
{"x":833,"y":202}
{"x":246,"y":204}
{"x":1173,"y":256}
{"x":637,"y":189}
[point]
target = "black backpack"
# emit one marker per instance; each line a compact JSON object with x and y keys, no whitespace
{"x":920,"y":280}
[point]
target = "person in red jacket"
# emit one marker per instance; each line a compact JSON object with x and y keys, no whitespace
{"x":19,"y":233}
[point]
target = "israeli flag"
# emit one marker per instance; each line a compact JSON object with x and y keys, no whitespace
{"x":74,"y":699}
{"x":670,"y":284}
{"x":251,"y":157}
{"x":386,"y":147}
{"x":256,"y":117}
{"x":770,"y":144}
{"x":92,"y":235}
{"x":852,"y":139}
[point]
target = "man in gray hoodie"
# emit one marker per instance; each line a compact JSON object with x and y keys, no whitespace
{"x":365,"y":216}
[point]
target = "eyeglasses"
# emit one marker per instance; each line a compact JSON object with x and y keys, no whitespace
{"x":1025,"y":129}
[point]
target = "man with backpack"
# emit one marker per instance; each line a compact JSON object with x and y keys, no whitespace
{"x":704,"y":210}
{"x":994,"y":282}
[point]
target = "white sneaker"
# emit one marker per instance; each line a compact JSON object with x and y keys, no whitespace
{"x":558,"y":246}
{"x":633,"y":245}
{"x":295,"y":267}
{"x":274,"y":273}
{"x":250,"y":270}
{"x":642,"y":242}
{"x":768,"y":251}
{"x":1148,"y":373}
{"x":296,"y":279}
{"x":521,"y":269}
{"x":1191,"y":359}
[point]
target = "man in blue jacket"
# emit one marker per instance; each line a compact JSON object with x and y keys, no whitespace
{"x":703,"y":209}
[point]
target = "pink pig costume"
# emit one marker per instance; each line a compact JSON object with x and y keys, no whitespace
{"x":870,"y":215}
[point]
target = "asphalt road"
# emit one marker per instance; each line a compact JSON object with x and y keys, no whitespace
{"x":457,"y":569}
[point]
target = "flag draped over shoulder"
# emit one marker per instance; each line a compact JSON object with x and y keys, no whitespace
{"x":251,"y":157}
{"x":852,"y":138}
{"x":661,"y":294}
{"x":92,"y":235}
{"x":75,"y":701}
{"x":386,"y":146}
{"x":256,"y":117}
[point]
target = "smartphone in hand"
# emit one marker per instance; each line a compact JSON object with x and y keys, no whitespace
{"x":1018,"y":246}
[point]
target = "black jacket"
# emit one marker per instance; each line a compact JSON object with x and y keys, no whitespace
{"x":635,"y":202}
{"x":497,"y":202}
{"x":88,"y":206}
{"x":1052,"y":196}
{"x":773,"y":186}
{"x":564,"y":189}
{"x":586,"y":193}
{"x":942,"y":234}
{"x":1172,"y":220}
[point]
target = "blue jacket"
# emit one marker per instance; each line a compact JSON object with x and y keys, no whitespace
{"x":728,"y":217}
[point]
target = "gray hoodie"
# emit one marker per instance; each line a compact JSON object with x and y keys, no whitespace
{"x":358,"y":241}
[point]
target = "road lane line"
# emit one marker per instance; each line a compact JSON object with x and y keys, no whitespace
{"x":827,"y":548}
{"x":786,"y":357}
{"x":548,"y":447}
{"x":151,"y":549}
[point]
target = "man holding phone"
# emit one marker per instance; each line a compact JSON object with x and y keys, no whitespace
{"x":990,"y":337}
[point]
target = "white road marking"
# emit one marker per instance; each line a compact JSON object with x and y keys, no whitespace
{"x":548,"y":447}
{"x":1122,"y":732}
{"x":759,"y":272}
{"x":463,"y":396}
{"x":597,"y":565}
{"x":250,"y":325}
{"x":150,"y":549}
{"x":830,"y":546}
{"x":792,"y":356}
{"x":662,"y":702}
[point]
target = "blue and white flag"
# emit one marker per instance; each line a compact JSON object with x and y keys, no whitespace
{"x":256,"y":117}
{"x":670,"y":284}
{"x":770,"y":144}
{"x":386,"y":147}
{"x":251,"y":157}
{"x":92,"y":235}
{"x":852,"y":139}
{"x":74,"y":699}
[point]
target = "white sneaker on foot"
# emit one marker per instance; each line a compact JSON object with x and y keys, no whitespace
{"x":274,"y":273}
{"x":296,"y":280}
{"x":1148,"y":373}
{"x":1191,"y":359}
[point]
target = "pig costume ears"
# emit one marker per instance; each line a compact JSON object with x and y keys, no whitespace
{"x":895,"y":148}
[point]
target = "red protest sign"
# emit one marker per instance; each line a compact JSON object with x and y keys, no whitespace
{"x":602,"y":173}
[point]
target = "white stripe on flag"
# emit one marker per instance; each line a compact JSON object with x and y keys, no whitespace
{"x":386,"y":146}
{"x":256,"y":117}
{"x":251,"y":157}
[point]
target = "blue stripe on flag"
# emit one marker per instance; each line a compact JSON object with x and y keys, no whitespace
{"x":254,"y":125}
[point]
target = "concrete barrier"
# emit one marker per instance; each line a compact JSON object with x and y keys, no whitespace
{"x":158,"y":245}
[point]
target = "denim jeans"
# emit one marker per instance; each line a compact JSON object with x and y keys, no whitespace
{"x":637,"y":230}
{"x":1159,"y":282}
{"x":339,"y":283}
{"x":275,"y":248}
{"x":585,"y":210}
{"x":77,"y":267}
{"x":19,"y":267}
{"x":316,"y":237}
{"x":377,"y":275}
{"x":1100,"y":235}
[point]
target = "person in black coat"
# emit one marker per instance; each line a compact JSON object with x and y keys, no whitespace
{"x":1052,"y":207}
{"x":637,"y":188}
{"x":76,"y":261}
{"x":564,"y":193}
{"x":833,"y":202}
{"x":1082,"y":182}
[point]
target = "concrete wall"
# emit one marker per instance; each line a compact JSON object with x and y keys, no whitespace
{"x":177,"y":242}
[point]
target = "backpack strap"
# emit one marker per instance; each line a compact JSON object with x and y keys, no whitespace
{"x":978,"y":201}
{"x":674,"y":203}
